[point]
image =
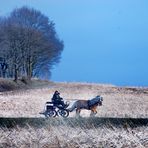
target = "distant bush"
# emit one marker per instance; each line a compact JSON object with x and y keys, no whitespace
{"x":23,"y":83}
{"x":7,"y":85}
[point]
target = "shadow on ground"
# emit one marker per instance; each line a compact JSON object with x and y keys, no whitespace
{"x":92,"y":122}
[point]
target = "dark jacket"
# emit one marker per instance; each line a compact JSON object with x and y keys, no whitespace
{"x":56,"y":97}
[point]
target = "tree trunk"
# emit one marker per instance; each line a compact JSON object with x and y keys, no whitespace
{"x":29,"y":69}
{"x":16,"y":74}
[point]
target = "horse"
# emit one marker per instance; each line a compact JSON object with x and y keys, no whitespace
{"x":87,"y":104}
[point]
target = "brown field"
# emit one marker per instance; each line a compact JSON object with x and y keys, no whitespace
{"x":77,"y":136}
{"x":119,"y":102}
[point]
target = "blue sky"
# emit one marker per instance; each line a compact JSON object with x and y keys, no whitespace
{"x":106,"y":41}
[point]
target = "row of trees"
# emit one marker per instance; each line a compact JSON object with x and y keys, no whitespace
{"x":29,"y":45}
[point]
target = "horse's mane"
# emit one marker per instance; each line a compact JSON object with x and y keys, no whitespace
{"x":95,"y":100}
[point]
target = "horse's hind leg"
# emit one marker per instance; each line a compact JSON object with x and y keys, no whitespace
{"x":78,"y":112}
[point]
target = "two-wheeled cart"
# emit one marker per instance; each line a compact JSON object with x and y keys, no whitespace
{"x":52,"y":110}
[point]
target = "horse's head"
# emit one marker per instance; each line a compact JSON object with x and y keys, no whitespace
{"x":100,"y":100}
{"x":96,"y":101}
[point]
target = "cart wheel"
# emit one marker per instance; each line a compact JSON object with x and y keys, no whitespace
{"x":63,"y":112}
{"x":50,"y":113}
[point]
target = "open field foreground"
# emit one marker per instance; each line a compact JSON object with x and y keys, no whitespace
{"x":121,"y":122}
{"x":73,"y":133}
{"x":118,"y":101}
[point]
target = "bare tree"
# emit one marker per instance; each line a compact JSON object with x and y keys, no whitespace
{"x":33,"y":46}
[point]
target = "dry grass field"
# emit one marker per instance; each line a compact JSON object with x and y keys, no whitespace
{"x":119,"y":102}
{"x":66,"y":136}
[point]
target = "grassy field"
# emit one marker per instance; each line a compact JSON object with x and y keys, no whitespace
{"x":118,"y":101}
{"x":73,"y":133}
{"x":110,"y":128}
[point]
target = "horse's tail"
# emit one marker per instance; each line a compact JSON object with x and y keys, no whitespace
{"x":73,"y":107}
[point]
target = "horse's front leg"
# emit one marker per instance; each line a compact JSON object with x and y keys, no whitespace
{"x":93,"y":111}
{"x":92,"y":114}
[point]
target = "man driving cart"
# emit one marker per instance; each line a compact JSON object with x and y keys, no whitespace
{"x":57,"y":100}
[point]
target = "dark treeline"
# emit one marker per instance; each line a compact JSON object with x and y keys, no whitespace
{"x":29,"y":45}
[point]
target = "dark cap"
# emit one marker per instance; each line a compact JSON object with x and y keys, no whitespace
{"x":56,"y":92}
